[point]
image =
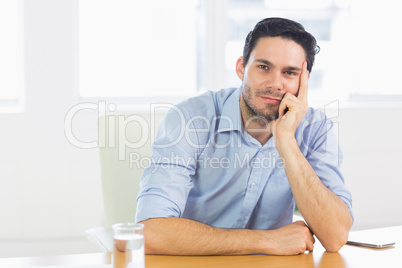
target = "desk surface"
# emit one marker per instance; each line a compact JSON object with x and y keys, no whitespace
{"x":348,"y":256}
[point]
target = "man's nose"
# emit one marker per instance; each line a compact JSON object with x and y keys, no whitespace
{"x":275,"y":81}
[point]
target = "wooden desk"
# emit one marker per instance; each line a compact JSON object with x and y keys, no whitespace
{"x":348,"y":256}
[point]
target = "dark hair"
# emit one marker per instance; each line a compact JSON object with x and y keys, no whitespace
{"x":285,"y":28}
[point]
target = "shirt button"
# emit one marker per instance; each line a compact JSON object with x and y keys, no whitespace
{"x":243,"y":219}
{"x":252,"y":185}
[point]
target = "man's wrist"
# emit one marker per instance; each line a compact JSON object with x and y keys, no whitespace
{"x":285,"y":143}
{"x":264,"y":241}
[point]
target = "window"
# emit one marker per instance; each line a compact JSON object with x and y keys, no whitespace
{"x":177,"y":48}
{"x":377,"y":50}
{"x":11,"y":75}
{"x":327,"y":20}
{"x":137,"y":48}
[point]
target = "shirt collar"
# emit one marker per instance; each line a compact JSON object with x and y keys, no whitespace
{"x":231,"y":117}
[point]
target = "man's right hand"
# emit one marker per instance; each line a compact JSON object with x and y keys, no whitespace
{"x":291,"y":239}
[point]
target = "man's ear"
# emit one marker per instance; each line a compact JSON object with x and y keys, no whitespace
{"x":240,"y":68}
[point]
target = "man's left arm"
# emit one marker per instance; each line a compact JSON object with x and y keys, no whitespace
{"x":326,"y":214}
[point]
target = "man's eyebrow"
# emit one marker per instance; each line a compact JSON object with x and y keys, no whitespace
{"x":266,"y":62}
{"x":288,"y":68}
{"x":293,"y":68}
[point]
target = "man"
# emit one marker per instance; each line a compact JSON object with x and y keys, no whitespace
{"x":228,"y":167}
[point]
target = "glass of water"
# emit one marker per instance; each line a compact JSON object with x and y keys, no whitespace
{"x":128,"y":245}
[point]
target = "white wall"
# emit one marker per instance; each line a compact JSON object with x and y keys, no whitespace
{"x":372,"y":146}
{"x":50,"y":190}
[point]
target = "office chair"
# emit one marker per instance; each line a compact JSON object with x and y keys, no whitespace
{"x":125,"y":149}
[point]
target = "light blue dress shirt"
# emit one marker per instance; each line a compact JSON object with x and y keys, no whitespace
{"x":205,"y":167}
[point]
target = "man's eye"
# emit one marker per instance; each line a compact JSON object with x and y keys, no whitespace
{"x":264,"y":67}
{"x":290,"y":73}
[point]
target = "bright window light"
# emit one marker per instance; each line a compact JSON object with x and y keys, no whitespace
{"x":10,"y":50}
{"x":137,"y":48}
{"x":180,"y":47}
{"x":378,"y":47}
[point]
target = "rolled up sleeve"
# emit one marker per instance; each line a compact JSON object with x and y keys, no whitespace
{"x":166,"y":182}
{"x":319,"y":143}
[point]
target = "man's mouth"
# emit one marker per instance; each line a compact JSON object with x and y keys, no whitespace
{"x":271,"y":99}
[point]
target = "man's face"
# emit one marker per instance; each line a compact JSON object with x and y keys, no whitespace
{"x":274,"y":68}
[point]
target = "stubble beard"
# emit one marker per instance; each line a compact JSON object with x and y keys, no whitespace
{"x":262,"y":116}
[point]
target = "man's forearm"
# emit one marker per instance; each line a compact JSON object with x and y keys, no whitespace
{"x":325,"y":213}
{"x":179,"y":236}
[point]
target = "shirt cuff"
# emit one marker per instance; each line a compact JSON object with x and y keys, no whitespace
{"x":155,"y":206}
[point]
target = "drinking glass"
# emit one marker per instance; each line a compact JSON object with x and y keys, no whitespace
{"x":128,"y":245}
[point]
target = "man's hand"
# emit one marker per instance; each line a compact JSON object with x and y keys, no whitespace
{"x":291,"y":110}
{"x":292,"y":239}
